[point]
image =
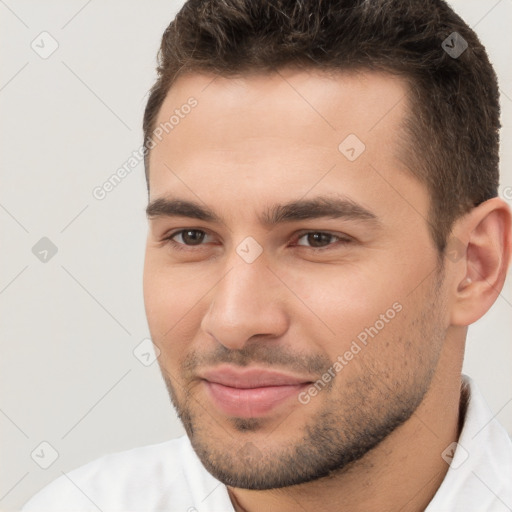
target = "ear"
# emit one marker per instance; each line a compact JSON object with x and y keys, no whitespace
{"x":483,"y":244}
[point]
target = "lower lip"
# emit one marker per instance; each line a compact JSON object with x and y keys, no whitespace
{"x":248,"y":403}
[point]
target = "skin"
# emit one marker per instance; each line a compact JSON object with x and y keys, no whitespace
{"x":380,"y":426}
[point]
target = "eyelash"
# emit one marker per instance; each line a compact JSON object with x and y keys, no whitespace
{"x":184,"y":247}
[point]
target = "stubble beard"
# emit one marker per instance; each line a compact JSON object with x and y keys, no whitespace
{"x":355,"y":417}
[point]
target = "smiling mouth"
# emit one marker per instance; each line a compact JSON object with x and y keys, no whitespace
{"x":250,"y":392}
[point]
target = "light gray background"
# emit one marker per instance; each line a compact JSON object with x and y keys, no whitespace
{"x":69,"y":326}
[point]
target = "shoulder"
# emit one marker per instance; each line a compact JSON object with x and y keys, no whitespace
{"x":143,"y":477}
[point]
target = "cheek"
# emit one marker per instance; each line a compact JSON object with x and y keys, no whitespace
{"x":379,"y":315}
{"x":172,"y":319}
{"x":348,"y":302}
{"x":171,"y":300}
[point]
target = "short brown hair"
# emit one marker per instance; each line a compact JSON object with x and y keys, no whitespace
{"x":454,"y":120}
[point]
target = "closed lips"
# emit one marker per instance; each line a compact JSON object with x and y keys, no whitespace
{"x":250,"y":392}
{"x":250,"y":378}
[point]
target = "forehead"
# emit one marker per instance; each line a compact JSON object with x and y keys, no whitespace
{"x":289,"y":107}
{"x":280,"y":132}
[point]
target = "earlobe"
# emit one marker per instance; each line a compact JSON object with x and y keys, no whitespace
{"x":487,"y":230}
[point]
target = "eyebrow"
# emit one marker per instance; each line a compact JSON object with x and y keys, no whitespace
{"x":302,"y":209}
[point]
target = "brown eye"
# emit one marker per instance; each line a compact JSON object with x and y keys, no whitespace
{"x":192,"y":236}
{"x":319,"y":239}
{"x":189,"y":237}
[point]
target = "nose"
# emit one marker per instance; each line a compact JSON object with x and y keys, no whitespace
{"x":248,"y":302}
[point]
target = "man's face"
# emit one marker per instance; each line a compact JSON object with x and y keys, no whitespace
{"x":290,"y":348}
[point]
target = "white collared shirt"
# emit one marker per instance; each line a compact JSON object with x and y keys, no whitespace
{"x":480,"y":475}
{"x":169,"y":476}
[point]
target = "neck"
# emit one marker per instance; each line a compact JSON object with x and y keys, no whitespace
{"x":402,"y":473}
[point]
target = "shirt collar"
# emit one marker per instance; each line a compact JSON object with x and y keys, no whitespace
{"x":480,"y":474}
